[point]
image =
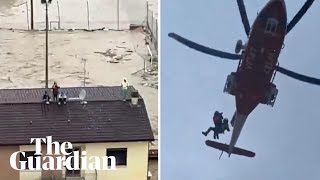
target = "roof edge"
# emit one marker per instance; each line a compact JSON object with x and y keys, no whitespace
{"x":62,"y":87}
{"x":76,"y":142}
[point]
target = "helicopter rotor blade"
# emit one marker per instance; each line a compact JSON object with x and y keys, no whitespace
{"x":244,"y":16}
{"x":298,"y":76}
{"x":204,"y":49}
{"x":299,"y":15}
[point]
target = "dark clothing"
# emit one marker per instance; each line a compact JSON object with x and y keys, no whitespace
{"x":215,"y":132}
{"x":60,"y":99}
{"x":228,"y":129}
{"x":218,"y":129}
{"x":46,"y":97}
{"x":55,"y":92}
{"x":55,"y":97}
{"x":217,"y":119}
{"x":217,"y":122}
{"x":55,"y":89}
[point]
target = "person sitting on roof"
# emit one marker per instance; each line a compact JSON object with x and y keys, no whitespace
{"x":60,"y":98}
{"x":64,"y":97}
{"x":124,"y":91}
{"x":220,"y":123}
{"x":55,"y":91}
{"x":46,"y":97}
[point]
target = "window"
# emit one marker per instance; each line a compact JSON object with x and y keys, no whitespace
{"x":271,"y":25}
{"x":72,"y":172}
{"x":120,"y":154}
{"x":25,"y":158}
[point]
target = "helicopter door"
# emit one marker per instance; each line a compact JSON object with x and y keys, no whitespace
{"x":271,"y":96}
{"x":230,"y":84}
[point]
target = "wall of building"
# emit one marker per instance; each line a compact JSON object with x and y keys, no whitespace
{"x":82,"y":148}
{"x":137,"y":161}
{"x":6,"y":172}
{"x":51,"y":173}
{"x":153,"y":168}
{"x":29,"y":174}
{"x":136,"y":168}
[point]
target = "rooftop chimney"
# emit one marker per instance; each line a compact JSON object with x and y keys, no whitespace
{"x":134,"y":97}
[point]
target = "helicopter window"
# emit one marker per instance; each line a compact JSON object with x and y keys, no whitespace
{"x":271,"y":25}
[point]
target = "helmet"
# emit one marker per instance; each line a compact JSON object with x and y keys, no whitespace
{"x":217,"y":113}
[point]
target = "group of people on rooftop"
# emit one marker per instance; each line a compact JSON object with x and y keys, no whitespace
{"x":58,"y":96}
{"x":61,"y":97}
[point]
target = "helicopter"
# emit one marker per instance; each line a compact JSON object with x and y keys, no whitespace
{"x":252,"y":83}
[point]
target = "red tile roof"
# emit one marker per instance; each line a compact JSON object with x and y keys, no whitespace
{"x":106,"y":118}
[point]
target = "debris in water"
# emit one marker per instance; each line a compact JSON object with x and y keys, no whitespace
{"x":108,"y":53}
{"x":113,"y":61}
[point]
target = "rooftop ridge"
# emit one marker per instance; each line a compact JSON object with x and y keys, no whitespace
{"x":69,"y":102}
{"x":34,"y":95}
{"x":64,"y":87}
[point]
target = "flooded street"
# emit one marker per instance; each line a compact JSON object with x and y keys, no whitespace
{"x":23,"y":52}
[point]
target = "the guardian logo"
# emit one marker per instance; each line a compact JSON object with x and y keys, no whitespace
{"x":58,"y":158}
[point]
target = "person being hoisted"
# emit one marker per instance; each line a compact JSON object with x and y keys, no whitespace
{"x":220,"y":124}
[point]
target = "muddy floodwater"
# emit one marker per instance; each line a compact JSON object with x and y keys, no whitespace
{"x":23,"y":61}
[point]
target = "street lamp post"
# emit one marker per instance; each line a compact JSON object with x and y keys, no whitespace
{"x":32,"y":23}
{"x":47,"y":54}
{"x":84,"y":71}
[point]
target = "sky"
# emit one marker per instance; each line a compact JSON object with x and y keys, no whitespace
{"x":285,"y":138}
